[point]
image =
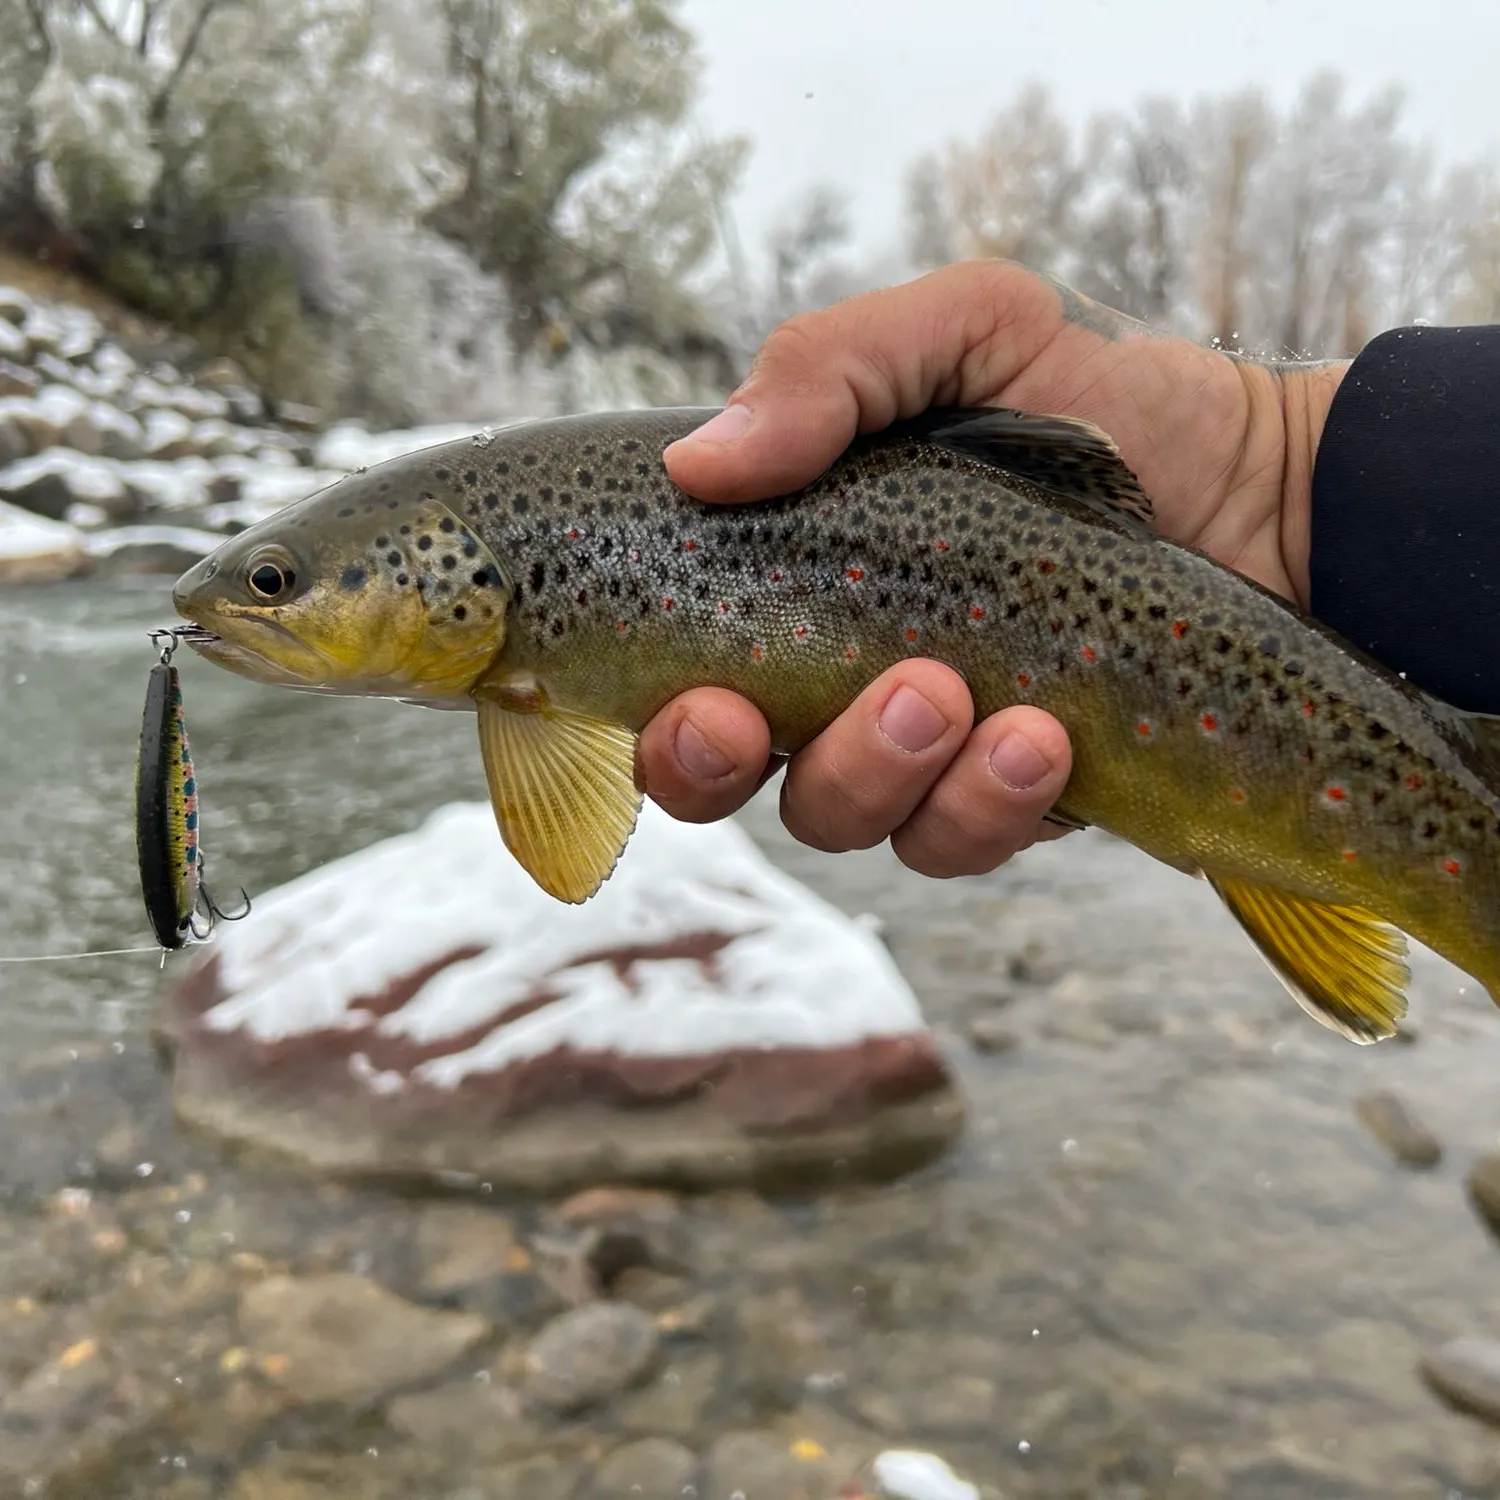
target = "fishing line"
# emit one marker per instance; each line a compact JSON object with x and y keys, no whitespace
{"x":50,"y":958}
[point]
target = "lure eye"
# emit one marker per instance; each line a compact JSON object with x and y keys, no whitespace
{"x":271,"y":580}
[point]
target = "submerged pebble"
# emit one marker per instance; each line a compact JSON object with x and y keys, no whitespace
{"x":905,"y":1474}
{"x":1465,"y":1372}
{"x":1392,"y":1122}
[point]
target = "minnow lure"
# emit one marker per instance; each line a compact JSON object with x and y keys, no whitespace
{"x":167,"y":832}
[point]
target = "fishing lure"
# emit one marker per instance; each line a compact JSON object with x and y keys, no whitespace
{"x":167,"y":833}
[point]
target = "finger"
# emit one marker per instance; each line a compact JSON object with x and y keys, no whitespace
{"x":867,"y":772}
{"x":989,"y":803}
{"x":704,"y":755}
{"x":953,"y":336}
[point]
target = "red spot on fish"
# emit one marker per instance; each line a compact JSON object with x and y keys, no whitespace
{"x":776,"y":576}
{"x":635,"y":554}
{"x":1023,"y":679}
{"x":1056,"y":626}
{"x":800,"y":631}
{"x":690,"y":545}
{"x":666,"y":604}
{"x":1143,"y":729}
{"x":1452,"y":867}
{"x":1335,"y":793}
{"x":911,"y":632}
{"x":1179,"y":628}
{"x":756,"y":653}
{"x":940,"y":545}
{"x":1209,"y":723}
{"x":854,"y":574}
{"x":1237,"y":795}
{"x":1412,"y":782}
{"x":1088,"y":653}
{"x":850,"y":652}
{"x":723,"y":606}
{"x":1309,"y":708}
{"x":1046,"y":565}
{"x":621,"y":625}
{"x":573,"y":533}
{"x":976,"y":611}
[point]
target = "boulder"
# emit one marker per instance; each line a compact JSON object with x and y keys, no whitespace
{"x":13,"y":343}
{"x":36,"y":550}
{"x":15,"y":305}
{"x":50,"y":483}
{"x":134,"y":550}
{"x":17,"y":380}
{"x":423,"y":1010}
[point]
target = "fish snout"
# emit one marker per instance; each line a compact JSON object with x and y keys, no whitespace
{"x":187,"y":592}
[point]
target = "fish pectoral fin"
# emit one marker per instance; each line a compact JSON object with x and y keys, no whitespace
{"x":1066,"y":455}
{"x":563,"y":789}
{"x":1343,"y":965}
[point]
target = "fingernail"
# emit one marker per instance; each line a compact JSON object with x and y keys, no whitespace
{"x":1017,"y":762}
{"x":910,"y":722}
{"x":724,"y":428}
{"x":697,"y":757}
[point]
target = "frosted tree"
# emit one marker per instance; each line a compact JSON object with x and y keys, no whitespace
{"x":573,"y":177}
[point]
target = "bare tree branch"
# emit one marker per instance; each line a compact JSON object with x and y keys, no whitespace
{"x":39,"y":20}
{"x":163,"y":99}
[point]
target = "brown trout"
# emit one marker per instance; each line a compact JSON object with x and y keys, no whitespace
{"x":552,"y":578}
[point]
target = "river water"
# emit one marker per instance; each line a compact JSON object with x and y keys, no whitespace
{"x":1165,"y":1259}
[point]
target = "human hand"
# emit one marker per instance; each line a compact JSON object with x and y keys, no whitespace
{"x":1223,"y":445}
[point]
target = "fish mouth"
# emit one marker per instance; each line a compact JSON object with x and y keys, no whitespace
{"x":247,"y":661}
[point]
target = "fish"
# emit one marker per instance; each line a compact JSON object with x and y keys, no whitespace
{"x":550,"y":577}
{"x":169,"y":852}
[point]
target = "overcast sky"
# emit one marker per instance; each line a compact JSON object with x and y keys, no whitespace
{"x":852,"y":90}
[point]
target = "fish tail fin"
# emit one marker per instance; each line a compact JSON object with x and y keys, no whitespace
{"x":1343,"y":965}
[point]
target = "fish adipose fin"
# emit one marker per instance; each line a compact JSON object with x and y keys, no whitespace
{"x":1066,"y":455}
{"x":1343,"y":966}
{"x":563,"y":789}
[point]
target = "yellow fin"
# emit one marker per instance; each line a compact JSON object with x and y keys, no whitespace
{"x":563,"y":789}
{"x":1343,"y":965}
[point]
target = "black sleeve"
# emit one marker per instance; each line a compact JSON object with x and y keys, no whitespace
{"x":1406,"y":510}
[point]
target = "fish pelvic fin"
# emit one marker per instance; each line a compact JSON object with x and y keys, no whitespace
{"x":1343,"y":965}
{"x":1067,"y":455}
{"x":563,"y":789}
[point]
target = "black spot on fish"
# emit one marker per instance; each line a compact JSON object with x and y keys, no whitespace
{"x":585,"y":479}
{"x":520,"y":504}
{"x":459,"y":612}
{"x":442,"y":475}
{"x":471,"y":478}
{"x":481,"y":577}
{"x":1429,"y":830}
{"x":424,"y":544}
{"x":538,"y":577}
{"x":353,"y":577}
{"x":1223,"y":645}
{"x":1377,"y":731}
{"x":346,"y":512}
{"x":449,"y":561}
{"x":558,"y":627}
{"x":638,"y":511}
{"x":393,"y":558}
{"x":401,"y":580}
{"x":1292,"y":668}
{"x":446,"y":524}
{"x":406,"y":531}
{"x":471,"y":547}
{"x":1157,"y":611}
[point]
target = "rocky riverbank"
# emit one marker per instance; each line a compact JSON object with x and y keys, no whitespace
{"x":115,"y":459}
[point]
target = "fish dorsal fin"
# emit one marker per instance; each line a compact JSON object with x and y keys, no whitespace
{"x":1343,"y":965}
{"x":1066,"y":455}
{"x":1484,"y":731}
{"x":563,"y":789}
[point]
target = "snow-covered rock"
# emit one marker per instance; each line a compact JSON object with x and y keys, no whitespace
{"x":49,"y":483}
{"x":36,"y":550}
{"x":13,"y":343}
{"x":348,"y":446}
{"x":15,"y":305}
{"x":148,"y":549}
{"x":422,"y":1007}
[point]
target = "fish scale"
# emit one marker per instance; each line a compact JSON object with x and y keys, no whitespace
{"x":551,"y":577}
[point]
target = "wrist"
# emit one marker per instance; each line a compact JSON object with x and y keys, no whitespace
{"x":1306,"y":393}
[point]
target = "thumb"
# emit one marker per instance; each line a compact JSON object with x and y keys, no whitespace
{"x":956,"y":335}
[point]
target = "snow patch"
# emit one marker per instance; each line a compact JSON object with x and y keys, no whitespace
{"x":348,"y":446}
{"x":23,"y":535}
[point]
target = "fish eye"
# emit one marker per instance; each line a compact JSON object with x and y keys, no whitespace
{"x":270,"y":577}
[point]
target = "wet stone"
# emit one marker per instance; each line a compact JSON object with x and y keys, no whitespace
{"x":461,"y":1247}
{"x":1392,"y":1122}
{"x":342,"y":1338}
{"x":991,"y":1035}
{"x":764,"y":1466}
{"x":1465,"y":1372}
{"x":675,"y":1404}
{"x":1483,"y":1184}
{"x":539,"y":1478}
{"x":476,"y":1419}
{"x":639,"y":1471}
{"x":585,"y":1356}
